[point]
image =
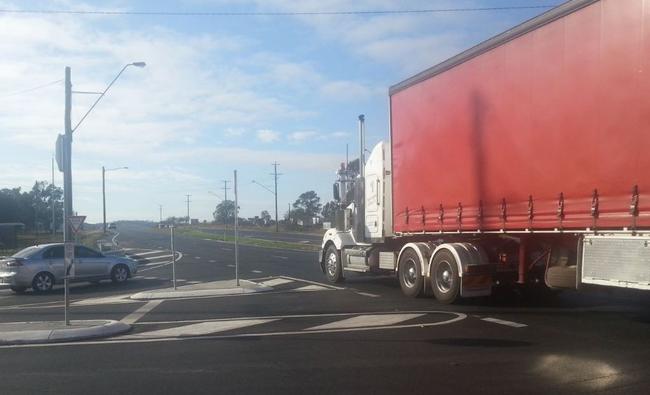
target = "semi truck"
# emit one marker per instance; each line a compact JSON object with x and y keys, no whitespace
{"x":523,"y":161}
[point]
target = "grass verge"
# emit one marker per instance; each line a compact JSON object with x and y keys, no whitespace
{"x":247,"y":240}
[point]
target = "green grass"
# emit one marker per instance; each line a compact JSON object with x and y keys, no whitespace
{"x":247,"y":240}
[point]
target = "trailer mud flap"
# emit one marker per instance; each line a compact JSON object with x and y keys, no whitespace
{"x":472,"y":285}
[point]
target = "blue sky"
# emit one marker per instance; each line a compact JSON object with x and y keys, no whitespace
{"x":218,"y":94}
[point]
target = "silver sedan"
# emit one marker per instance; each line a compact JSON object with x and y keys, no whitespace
{"x":40,"y":267}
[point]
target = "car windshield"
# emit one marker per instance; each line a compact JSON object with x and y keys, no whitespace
{"x":27,"y":252}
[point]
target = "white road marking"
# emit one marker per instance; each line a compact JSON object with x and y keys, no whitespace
{"x":226,"y":249}
{"x":150,"y":278}
{"x":230,"y":265}
{"x":204,"y":328}
{"x":139,"y":313}
{"x":126,"y":339}
{"x":279,"y":257}
{"x":194,"y":282}
{"x":276,"y":281}
{"x":312,"y":287}
{"x":367,"y":294}
{"x":312,"y":282}
{"x":256,"y":271}
{"x":197,"y":257}
{"x":504,"y":322}
{"x":363,"y":321}
{"x":212,"y":261}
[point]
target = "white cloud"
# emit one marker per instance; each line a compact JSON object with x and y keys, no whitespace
{"x":267,"y":136}
{"x":302,"y":136}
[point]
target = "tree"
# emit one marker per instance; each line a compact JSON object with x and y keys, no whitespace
{"x":225,"y":212}
{"x":34,"y":208}
{"x":265,"y":217}
{"x":306,"y":207}
{"x":329,"y":211}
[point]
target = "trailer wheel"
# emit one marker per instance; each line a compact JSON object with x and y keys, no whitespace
{"x":410,"y":274}
{"x":445,"y":281}
{"x":333,"y":269}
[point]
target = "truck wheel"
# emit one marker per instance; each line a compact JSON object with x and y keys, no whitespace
{"x":445,"y":281}
{"x":333,"y":268}
{"x":410,"y":274}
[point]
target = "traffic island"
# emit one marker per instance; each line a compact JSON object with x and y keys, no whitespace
{"x":12,"y":333}
{"x":213,"y":288}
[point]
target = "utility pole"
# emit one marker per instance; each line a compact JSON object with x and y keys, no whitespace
{"x":52,"y":202}
{"x":67,"y":185}
{"x":188,"y":209}
{"x":104,"y":195}
{"x":275,"y":179}
{"x":225,"y":190}
{"x":160,"y":205}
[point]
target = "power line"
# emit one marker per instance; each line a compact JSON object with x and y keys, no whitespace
{"x":31,"y":89}
{"x":273,"y":13}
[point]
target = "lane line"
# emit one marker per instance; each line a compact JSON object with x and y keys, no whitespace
{"x":204,"y":328}
{"x":504,"y":322}
{"x":279,"y":257}
{"x":256,"y":271}
{"x":197,"y":257}
{"x":212,"y":261}
{"x":140,"y":312}
{"x":226,"y":249}
{"x":364,"y":321}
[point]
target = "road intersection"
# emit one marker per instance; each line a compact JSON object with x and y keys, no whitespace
{"x":305,"y":335}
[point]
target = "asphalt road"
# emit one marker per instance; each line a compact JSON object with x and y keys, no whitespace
{"x":305,"y":336}
{"x":290,"y":237}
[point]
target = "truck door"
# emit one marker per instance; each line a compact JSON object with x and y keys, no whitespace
{"x":374,"y":193}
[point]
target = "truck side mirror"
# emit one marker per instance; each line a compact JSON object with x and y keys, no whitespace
{"x":335,"y":192}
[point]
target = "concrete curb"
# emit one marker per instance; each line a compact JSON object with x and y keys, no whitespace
{"x":179,"y":293}
{"x":79,"y":330}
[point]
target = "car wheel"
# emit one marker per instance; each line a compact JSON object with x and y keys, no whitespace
{"x":18,"y":290}
{"x":445,"y":280}
{"x":43,"y":282}
{"x":333,"y":268}
{"x":119,"y":274}
{"x":410,"y":274}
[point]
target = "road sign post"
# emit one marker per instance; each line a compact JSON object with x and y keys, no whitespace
{"x":171,"y":231}
{"x":75,"y":223}
{"x":236,"y":232}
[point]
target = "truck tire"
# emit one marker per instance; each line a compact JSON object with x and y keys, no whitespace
{"x":445,"y":281}
{"x":410,"y":274}
{"x":333,"y":269}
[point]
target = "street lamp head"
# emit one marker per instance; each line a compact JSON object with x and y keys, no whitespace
{"x":139,"y":64}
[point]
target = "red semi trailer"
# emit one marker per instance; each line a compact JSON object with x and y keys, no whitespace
{"x":524,"y":160}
